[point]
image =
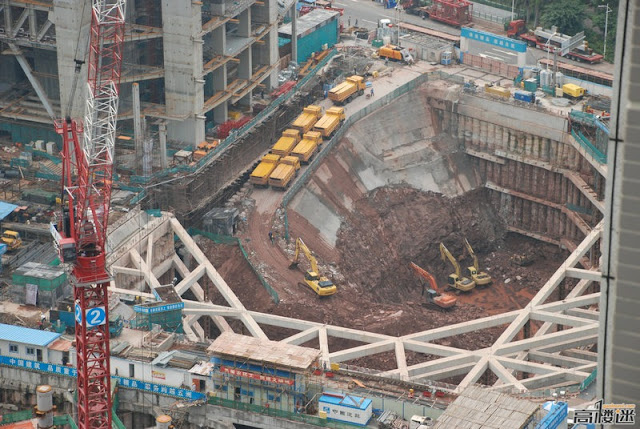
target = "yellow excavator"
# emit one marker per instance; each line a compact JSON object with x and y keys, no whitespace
{"x":455,"y":281}
{"x":321,"y":285}
{"x":480,"y":277}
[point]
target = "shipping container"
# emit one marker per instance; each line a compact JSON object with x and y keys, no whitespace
{"x":527,"y":96}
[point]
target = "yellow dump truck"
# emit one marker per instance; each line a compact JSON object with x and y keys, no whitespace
{"x":260,"y":175}
{"x":305,"y":150}
{"x":573,"y":91}
{"x":284,"y":173}
{"x":330,"y":122}
{"x":290,"y":132}
{"x":497,"y":90}
{"x":316,"y":136}
{"x":307,"y":118}
{"x":283,"y":146}
{"x":347,"y":90}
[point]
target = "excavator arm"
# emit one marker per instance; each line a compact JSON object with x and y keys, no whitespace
{"x":445,"y":254}
{"x":421,"y":272}
{"x":300,"y":246}
{"x":472,"y":253}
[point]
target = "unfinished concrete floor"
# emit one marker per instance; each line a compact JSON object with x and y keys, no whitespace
{"x":387,"y":195}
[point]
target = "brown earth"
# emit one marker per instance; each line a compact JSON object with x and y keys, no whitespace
{"x":377,"y":290}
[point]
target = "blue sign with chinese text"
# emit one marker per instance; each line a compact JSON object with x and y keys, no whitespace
{"x":493,"y":39}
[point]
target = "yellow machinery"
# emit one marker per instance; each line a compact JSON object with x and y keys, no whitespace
{"x":319,"y":284}
{"x":204,"y":148}
{"x":455,"y":281}
{"x":11,"y":239}
{"x":480,"y":277}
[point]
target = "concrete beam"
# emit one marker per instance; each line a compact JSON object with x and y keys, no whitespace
{"x":188,"y":330}
{"x":355,"y":335}
{"x":556,"y":359}
{"x":464,"y":327}
{"x":566,"y":304}
{"x":582,"y":341}
{"x":584,"y":314}
{"x":505,"y":376}
{"x":513,"y":329}
{"x":362,"y":351}
{"x":531,"y":383}
{"x":47,"y":25}
{"x":578,"y":273}
{"x":549,"y":339}
{"x":184,"y":272}
{"x":527,"y":366}
{"x":190,"y":279}
{"x":419,"y":370}
{"x":324,"y":346}
{"x":302,"y":337}
{"x":401,"y":360}
{"x":137,"y":260}
{"x":474,"y":374}
{"x":581,"y":354}
{"x":450,"y":371}
{"x":150,"y":242}
{"x":435,"y":349}
{"x":284,"y":322}
{"x":35,"y":83}
{"x":18,"y":24}
{"x":559,"y":319}
{"x":130,"y":292}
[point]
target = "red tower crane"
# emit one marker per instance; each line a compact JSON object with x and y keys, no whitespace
{"x":80,"y":235}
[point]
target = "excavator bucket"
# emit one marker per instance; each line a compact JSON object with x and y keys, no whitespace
{"x":293,"y":265}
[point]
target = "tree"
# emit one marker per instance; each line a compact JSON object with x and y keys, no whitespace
{"x":567,"y":15}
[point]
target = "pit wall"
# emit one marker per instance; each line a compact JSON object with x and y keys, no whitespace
{"x":541,"y":184}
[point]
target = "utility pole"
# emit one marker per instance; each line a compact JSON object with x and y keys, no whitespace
{"x":513,"y":8}
{"x":606,"y":22}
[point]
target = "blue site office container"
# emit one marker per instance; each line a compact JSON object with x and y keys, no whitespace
{"x":527,"y":96}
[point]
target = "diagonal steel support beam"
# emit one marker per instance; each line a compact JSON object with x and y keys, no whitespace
{"x":47,"y":25}
{"x":34,"y":81}
{"x":18,"y":24}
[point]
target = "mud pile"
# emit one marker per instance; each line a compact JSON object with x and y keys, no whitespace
{"x":393,"y":226}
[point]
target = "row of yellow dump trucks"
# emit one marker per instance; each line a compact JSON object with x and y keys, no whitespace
{"x":296,"y":146}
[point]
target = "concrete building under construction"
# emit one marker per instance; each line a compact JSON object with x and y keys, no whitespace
{"x":192,"y":60}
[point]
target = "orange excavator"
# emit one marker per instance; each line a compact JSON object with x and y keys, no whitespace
{"x":442,"y":301}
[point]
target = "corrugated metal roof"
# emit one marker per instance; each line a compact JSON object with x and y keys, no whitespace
{"x":19,"y":334}
{"x":6,"y":209}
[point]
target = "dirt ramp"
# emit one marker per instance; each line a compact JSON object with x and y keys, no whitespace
{"x":392,"y":226}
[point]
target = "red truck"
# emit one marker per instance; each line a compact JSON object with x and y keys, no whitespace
{"x":452,"y":12}
{"x":550,"y":40}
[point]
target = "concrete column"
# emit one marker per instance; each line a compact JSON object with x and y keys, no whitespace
{"x":491,"y":136}
{"x":475,"y":137}
{"x":483,"y":134}
{"x":162,"y":133}
{"x":8,"y":20}
{"x":244,"y":23}
{"x":138,"y":135}
{"x":182,"y":49}
{"x":220,"y":112}
{"x":68,"y":18}
{"x":245,"y":69}
{"x":267,"y":52}
{"x":294,"y":33}
{"x":33,"y":24}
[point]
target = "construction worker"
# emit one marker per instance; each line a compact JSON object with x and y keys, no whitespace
{"x":271,"y":236}
{"x":372,"y":91}
{"x":349,"y":21}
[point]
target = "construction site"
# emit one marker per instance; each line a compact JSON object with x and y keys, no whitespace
{"x":390,"y":228}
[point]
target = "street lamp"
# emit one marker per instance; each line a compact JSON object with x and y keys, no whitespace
{"x":606,"y":21}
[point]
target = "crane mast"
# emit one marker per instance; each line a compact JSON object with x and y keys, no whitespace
{"x":80,"y":236}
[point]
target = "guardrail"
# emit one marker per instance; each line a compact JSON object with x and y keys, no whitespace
{"x":589,"y":147}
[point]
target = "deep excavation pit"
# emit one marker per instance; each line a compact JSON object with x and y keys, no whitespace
{"x":388,"y":194}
